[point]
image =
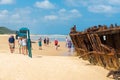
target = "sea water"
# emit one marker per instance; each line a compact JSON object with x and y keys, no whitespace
{"x":51,"y":37}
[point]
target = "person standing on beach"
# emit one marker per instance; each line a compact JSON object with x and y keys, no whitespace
{"x":56,"y":44}
{"x":66,"y":41}
{"x":69,"y":45}
{"x":40,"y":43}
{"x":24,"y":46}
{"x":11,"y":41}
{"x":47,"y":41}
{"x":20,"y":44}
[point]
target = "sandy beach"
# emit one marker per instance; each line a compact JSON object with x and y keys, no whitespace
{"x":46,"y":64}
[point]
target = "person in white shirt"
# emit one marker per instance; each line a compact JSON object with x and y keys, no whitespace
{"x":66,"y":41}
{"x":20,"y":44}
{"x":24,"y":46}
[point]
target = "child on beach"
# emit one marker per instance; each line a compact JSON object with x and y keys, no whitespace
{"x":11,"y":41}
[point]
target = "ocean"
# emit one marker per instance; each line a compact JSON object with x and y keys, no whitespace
{"x":51,"y":37}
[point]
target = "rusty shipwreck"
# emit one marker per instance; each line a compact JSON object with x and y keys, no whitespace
{"x":100,"y":45}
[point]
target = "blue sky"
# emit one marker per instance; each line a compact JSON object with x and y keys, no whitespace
{"x":58,"y":16}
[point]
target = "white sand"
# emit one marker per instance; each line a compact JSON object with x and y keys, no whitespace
{"x":46,"y":64}
{"x":21,"y":67}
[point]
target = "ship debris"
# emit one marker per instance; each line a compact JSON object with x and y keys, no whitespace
{"x":100,"y":45}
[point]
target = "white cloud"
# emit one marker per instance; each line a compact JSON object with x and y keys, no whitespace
{"x":79,"y":3}
{"x":15,"y":16}
{"x":100,"y":9}
{"x":114,"y":2}
{"x":74,"y":11}
{"x":62,"y":10}
{"x":97,"y":6}
{"x":68,"y":14}
{"x":71,"y":2}
{"x":3,"y":13}
{"x":25,"y":10}
{"x":6,"y":1}
{"x":50,"y":17}
{"x":45,"y":4}
{"x":21,"y":15}
{"x":18,"y":17}
{"x":64,"y":14}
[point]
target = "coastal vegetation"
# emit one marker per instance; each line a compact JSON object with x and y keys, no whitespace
{"x":5,"y":30}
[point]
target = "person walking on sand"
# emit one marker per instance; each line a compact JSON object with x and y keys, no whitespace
{"x":40,"y":43}
{"x":11,"y":41}
{"x":20,"y":44}
{"x":56,"y":44}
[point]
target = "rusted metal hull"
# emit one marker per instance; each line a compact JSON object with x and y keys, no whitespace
{"x":99,"y":45}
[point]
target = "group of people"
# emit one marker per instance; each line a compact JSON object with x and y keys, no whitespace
{"x":22,"y":44}
{"x":46,"y":42}
{"x":56,"y":43}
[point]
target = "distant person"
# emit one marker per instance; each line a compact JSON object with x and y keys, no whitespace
{"x":66,"y":41}
{"x":40,"y":43}
{"x":11,"y":41}
{"x":47,"y":41}
{"x":69,"y":45}
{"x":56,"y":44}
{"x":20,"y":44}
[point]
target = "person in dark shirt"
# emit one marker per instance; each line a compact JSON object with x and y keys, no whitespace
{"x":45,"y":41}
{"x":11,"y":41}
